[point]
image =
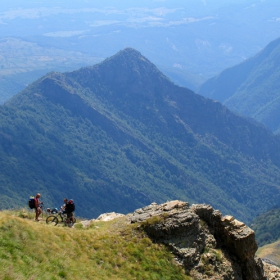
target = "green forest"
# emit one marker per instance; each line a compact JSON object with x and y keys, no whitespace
{"x":267,"y":226}
{"x":120,"y":135}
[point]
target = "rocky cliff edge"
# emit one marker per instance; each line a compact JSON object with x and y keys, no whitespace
{"x":207,"y":244}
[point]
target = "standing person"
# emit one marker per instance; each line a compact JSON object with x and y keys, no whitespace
{"x":69,"y":208}
{"x":38,"y":209}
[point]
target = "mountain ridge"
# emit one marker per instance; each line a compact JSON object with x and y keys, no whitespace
{"x":251,"y":87}
{"x":136,"y":140}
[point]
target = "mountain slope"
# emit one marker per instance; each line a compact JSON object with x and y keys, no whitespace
{"x":252,"y":87}
{"x":270,"y":253}
{"x":267,"y":227}
{"x":119,"y":135}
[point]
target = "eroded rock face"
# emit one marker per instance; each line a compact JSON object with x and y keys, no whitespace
{"x":236,"y":238}
{"x":208,"y":245}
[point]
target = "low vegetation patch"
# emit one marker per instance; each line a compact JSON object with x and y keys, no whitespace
{"x":153,"y":220}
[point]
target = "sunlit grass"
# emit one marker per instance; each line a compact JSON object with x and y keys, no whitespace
{"x":270,"y":251}
{"x":106,"y":250}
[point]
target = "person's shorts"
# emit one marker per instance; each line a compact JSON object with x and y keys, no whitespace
{"x":70,"y":215}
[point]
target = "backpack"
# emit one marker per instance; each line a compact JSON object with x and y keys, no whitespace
{"x":54,"y":211}
{"x":31,"y":202}
{"x":70,"y":206}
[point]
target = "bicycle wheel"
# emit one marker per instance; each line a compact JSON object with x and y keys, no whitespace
{"x":52,"y":220}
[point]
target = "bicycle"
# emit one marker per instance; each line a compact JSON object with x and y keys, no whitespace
{"x":54,"y":215}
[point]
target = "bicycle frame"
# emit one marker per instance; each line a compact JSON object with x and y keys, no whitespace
{"x":54,"y":219}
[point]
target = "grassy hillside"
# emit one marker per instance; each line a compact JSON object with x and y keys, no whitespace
{"x":270,"y":252}
{"x":106,"y":250}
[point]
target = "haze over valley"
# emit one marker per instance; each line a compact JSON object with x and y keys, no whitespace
{"x":190,"y":41}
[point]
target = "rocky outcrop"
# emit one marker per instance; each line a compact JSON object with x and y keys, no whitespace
{"x":206,"y":244}
{"x":271,"y":271}
{"x":106,"y":217}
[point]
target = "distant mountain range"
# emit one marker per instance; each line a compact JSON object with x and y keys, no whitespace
{"x":119,"y":135}
{"x":189,"y":41}
{"x":251,"y":88}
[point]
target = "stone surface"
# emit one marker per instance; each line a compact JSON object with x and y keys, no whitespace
{"x":206,"y":244}
{"x":272,"y":272}
{"x":103,"y":217}
{"x":109,"y":216}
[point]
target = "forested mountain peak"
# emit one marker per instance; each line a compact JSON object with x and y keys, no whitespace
{"x":125,"y":73}
{"x":121,"y":134}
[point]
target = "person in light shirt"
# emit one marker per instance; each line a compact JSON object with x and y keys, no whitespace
{"x":38,"y":209}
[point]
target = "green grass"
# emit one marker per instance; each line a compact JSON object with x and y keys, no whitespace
{"x":106,"y":250}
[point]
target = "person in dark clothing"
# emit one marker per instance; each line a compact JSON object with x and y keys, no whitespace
{"x":68,"y":209}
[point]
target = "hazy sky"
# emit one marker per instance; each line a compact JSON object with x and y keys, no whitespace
{"x":108,"y":12}
{"x":189,"y":33}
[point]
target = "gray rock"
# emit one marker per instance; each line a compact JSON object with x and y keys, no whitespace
{"x":206,"y":244}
